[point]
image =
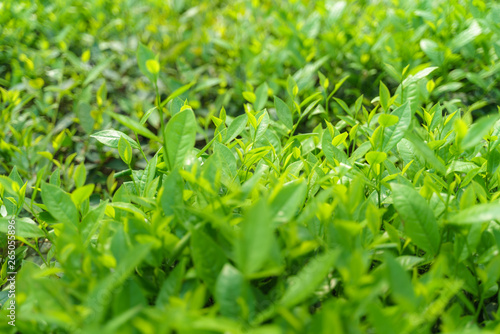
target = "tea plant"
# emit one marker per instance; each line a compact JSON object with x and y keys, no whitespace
{"x":385,"y":221}
{"x":302,"y":169}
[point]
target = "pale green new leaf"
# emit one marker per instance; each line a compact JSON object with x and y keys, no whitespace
{"x":394,"y":133}
{"x":301,"y":286}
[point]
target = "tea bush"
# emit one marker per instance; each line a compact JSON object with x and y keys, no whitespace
{"x":250,"y":166}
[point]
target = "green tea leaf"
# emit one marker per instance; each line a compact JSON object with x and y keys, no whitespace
{"x":208,"y":257}
{"x":301,"y":286}
{"x":226,"y":163}
{"x":284,"y":113}
{"x":394,"y":133}
{"x":400,"y":283}
{"x":83,"y":111}
{"x":148,"y":175}
{"x":146,"y":115}
{"x":111,"y":138}
{"x":125,"y":151}
{"x":143,"y":55}
{"x":79,"y":195}
{"x":417,"y":217}
{"x":374,"y":158}
{"x":59,"y":204}
{"x":100,"y":297}
{"x":171,"y":197}
{"x":256,"y":239}
{"x":134,"y":125}
{"x":385,"y":96}
{"x":172,"y":285}
{"x":80,"y":175}
{"x":261,"y":97}
{"x":25,"y":227}
{"x":180,"y":137}
{"x":477,"y":131}
{"x":387,"y":120}
{"x":286,"y":203}
{"x":231,"y":291}
{"x":236,"y":127}
{"x":91,"y":222}
{"x":426,"y":152}
{"x":476,"y":214}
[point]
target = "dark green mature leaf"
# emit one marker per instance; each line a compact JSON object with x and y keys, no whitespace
{"x":97,"y":70}
{"x":256,"y":239}
{"x":208,"y":257}
{"x":301,"y":286}
{"x":400,"y":283}
{"x":493,"y":161}
{"x":83,"y":112}
{"x":180,"y":137}
{"x":99,"y":298}
{"x":171,"y":197}
{"x":432,"y":50}
{"x":59,"y":204}
{"x":466,"y":36}
{"x":285,"y":204}
{"x":418,"y":218}
{"x":233,"y":293}
{"x":172,"y":285}
{"x":91,"y":222}
{"x":148,"y":175}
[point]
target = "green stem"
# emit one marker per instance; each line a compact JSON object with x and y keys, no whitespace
{"x":140,"y":148}
{"x":133,"y":180}
{"x":162,"y":122}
